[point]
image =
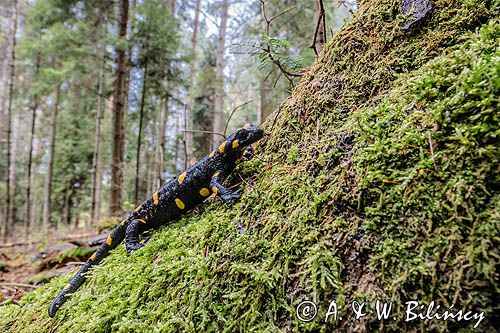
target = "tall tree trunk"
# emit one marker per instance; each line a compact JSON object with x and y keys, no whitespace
{"x":66,"y":210}
{"x":9,"y":212}
{"x":118,"y":121}
{"x":176,"y":151}
{"x":160,"y":146}
{"x":139,"y":136}
{"x":35,"y":189}
{"x":264,"y":105}
{"x":96,"y":160}
{"x":48,"y":178}
{"x":27,"y":221}
{"x":219,"y":68}
{"x":188,"y":136}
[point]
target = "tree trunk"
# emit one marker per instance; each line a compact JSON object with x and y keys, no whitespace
{"x":9,"y":212}
{"x":160,"y":146}
{"x":139,"y":136}
{"x":36,"y":190}
{"x":6,"y":66}
{"x":176,"y":151}
{"x":96,"y":160}
{"x":118,"y":121}
{"x":27,"y":220}
{"x":219,"y":67}
{"x":188,"y":136}
{"x":48,"y":178}
{"x":264,"y":105}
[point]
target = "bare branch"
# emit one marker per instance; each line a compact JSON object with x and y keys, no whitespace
{"x":15,"y":284}
{"x":232,"y":113}
{"x":205,"y":132}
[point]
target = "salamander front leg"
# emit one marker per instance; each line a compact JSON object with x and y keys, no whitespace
{"x":132,"y":236}
{"x":224,"y":193}
{"x":247,"y":153}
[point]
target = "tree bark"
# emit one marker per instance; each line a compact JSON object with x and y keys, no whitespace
{"x":27,"y":220}
{"x":96,"y":160}
{"x":160,"y":146}
{"x":264,"y":105}
{"x":118,"y":121}
{"x":176,"y":151}
{"x":188,"y":136}
{"x":9,"y":212}
{"x":219,"y":67}
{"x":48,"y":178}
{"x":139,"y":136}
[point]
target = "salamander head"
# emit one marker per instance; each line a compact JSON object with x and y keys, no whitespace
{"x":246,"y":135}
{"x":236,"y":142}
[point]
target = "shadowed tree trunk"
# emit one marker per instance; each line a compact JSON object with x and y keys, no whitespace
{"x":160,"y":146}
{"x":219,"y":68}
{"x":139,"y":136}
{"x":96,"y":160}
{"x":118,"y":121}
{"x":9,"y":172}
{"x":27,"y":221}
{"x":48,"y":178}
{"x":188,"y":136}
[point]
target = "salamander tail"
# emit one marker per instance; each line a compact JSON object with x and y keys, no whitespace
{"x":113,"y":240}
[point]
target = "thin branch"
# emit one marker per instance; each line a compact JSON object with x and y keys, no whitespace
{"x":282,"y":13}
{"x":232,"y":113}
{"x":320,"y":27}
{"x":15,"y":284}
{"x":205,"y":132}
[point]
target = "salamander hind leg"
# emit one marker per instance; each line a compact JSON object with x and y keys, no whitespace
{"x":132,"y":236}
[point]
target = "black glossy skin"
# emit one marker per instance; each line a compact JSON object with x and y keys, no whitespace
{"x":174,"y":198}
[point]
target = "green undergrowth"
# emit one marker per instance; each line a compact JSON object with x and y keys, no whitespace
{"x":378,"y":180}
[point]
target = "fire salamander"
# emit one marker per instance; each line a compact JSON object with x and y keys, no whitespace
{"x":173,"y":199}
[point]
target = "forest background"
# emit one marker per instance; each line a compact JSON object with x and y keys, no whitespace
{"x":101,"y":101}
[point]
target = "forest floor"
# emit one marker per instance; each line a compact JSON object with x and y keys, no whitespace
{"x":25,"y":267}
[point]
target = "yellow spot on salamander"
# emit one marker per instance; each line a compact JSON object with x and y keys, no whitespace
{"x":214,"y":189}
{"x":155,"y":198}
{"x":179,"y":203}
{"x":212,"y":153}
{"x":222,"y":147}
{"x":235,"y":144}
{"x":67,"y":286}
{"x":93,"y":256}
{"x":138,"y":208}
{"x":141,"y":220}
{"x":205,"y":192}
{"x":109,"y":240}
{"x":216,"y":174}
{"x":182,"y":177}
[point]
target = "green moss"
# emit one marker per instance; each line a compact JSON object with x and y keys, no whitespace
{"x":379,"y":179}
